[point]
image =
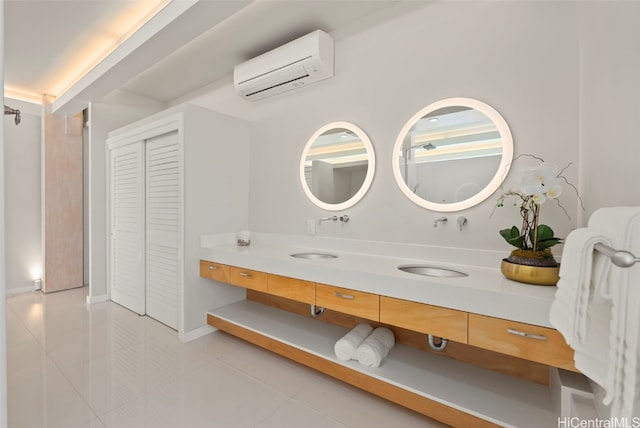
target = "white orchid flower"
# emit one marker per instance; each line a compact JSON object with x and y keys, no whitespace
{"x":547,"y":172}
{"x":554,"y":191}
{"x":541,"y":182}
{"x":539,"y":198}
{"x":531,"y":182}
{"x":531,"y":187}
{"x":548,"y":175}
{"x":535,"y":186}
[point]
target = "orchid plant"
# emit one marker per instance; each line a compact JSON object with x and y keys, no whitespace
{"x":536,"y":186}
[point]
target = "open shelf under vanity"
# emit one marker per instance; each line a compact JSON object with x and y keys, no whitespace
{"x":454,"y":392}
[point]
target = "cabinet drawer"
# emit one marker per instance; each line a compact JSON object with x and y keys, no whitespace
{"x":292,"y":288}
{"x":214,"y":271}
{"x":358,"y":303}
{"x":247,"y":278}
{"x":534,"y":343}
{"x":441,"y":322}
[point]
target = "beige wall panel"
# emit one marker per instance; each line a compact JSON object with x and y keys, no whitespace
{"x":62,"y":211}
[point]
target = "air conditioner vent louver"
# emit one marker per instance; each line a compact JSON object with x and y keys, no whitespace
{"x":250,"y":94}
{"x":298,"y":63}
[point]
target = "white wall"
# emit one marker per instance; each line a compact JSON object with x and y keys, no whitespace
{"x":609,"y":111}
{"x":113,"y":112}
{"x":22,"y":197}
{"x":610,"y":107}
{"x":519,"y":57}
{"x":215,"y":202}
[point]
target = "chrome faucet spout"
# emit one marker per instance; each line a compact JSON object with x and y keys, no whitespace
{"x":332,"y":218}
{"x":439,"y":220}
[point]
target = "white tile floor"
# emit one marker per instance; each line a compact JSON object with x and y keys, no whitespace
{"x":73,"y":365}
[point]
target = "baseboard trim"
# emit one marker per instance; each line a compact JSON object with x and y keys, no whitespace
{"x":188,"y":336}
{"x":96,"y":299}
{"x":21,"y":290}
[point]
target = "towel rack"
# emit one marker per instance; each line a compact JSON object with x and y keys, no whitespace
{"x":618,"y":257}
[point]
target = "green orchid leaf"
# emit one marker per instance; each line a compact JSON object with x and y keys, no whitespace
{"x":544,"y":232}
{"x":513,"y":237}
{"x":545,"y":237}
{"x":510,"y":233}
{"x":548,"y":243}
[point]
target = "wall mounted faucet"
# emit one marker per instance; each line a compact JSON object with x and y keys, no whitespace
{"x":439,"y":220}
{"x":332,"y":218}
{"x":344,"y":218}
{"x":462,"y":221}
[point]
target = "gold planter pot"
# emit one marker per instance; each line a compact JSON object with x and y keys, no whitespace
{"x":538,"y":275}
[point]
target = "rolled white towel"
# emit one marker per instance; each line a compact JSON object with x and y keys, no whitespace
{"x":345,"y":348}
{"x":375,"y":348}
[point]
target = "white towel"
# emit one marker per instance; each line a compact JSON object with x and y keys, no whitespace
{"x":582,"y":272}
{"x":622,"y":290}
{"x":375,"y":348}
{"x":345,"y":348}
{"x":622,"y":388}
{"x":608,"y":349}
{"x":578,"y":311}
{"x":591,"y":356}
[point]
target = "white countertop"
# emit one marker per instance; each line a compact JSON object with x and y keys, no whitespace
{"x":484,"y":291}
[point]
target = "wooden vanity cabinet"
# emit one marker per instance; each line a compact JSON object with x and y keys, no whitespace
{"x":292,"y":288}
{"x":435,"y":320}
{"x":531,"y":342}
{"x":534,"y":343}
{"x":352,"y":302}
{"x":215,"y":271}
{"x":247,"y":278}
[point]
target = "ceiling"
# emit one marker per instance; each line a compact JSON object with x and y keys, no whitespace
{"x":48,"y":44}
{"x":82,"y":50}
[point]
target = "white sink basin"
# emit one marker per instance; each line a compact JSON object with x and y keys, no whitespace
{"x":313,"y":256}
{"x":427,"y":270}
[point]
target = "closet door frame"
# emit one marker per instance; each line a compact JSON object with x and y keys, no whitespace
{"x":165,"y":125}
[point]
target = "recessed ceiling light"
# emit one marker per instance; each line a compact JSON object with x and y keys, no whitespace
{"x":433,"y":119}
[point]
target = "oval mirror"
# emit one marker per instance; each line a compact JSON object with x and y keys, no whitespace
{"x":452,"y":154}
{"x":337,"y":166}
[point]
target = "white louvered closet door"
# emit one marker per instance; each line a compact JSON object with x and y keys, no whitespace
{"x":163,"y":227}
{"x":127,"y":281}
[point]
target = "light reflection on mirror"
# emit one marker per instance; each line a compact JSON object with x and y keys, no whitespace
{"x":452,"y":154}
{"x":337,"y":166}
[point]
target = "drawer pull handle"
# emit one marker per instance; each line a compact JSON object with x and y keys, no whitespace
{"x":344,"y":296}
{"x":245,"y":274}
{"x":213,"y":267}
{"x":523,"y":334}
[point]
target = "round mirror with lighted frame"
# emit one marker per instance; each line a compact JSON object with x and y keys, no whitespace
{"x":337,"y":166}
{"x":452,"y":154}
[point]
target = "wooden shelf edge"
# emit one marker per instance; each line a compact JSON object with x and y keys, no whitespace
{"x":403,"y":397}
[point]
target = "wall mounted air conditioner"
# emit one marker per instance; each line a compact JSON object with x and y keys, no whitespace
{"x":295,"y":65}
